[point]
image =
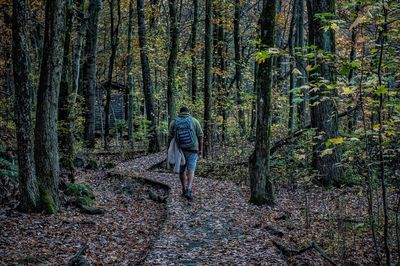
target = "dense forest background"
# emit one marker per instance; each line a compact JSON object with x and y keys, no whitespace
{"x":299,"y":102}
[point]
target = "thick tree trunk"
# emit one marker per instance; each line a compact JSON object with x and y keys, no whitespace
{"x":193,"y":46}
{"x":172,"y":60}
{"x":147,"y":83}
{"x":28,"y":187}
{"x":238,"y":68}
{"x":261,"y":187}
{"x":65,"y":125}
{"x":130,"y":79}
{"x":89,"y":72}
{"x":46,"y":144}
{"x":114,"y":45}
{"x":323,"y":111}
{"x":207,"y":78}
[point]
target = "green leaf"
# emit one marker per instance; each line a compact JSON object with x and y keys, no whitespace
{"x":381,"y":90}
{"x":326,"y":152}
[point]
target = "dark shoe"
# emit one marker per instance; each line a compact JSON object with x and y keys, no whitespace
{"x":188,"y":194}
{"x":184,"y":191}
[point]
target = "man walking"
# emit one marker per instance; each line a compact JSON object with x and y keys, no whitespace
{"x":189,"y":137}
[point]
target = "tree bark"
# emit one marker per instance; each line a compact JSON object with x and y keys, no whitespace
{"x":292,"y":82}
{"x":89,"y":72}
{"x":154,"y":145}
{"x":220,"y":65}
{"x":238,"y":68}
{"x":172,"y":60}
{"x":207,"y":78}
{"x":261,"y":187}
{"x":80,"y":29}
{"x":193,"y":46}
{"x":301,"y":80}
{"x":65,"y":125}
{"x":46,"y":144}
{"x":130,"y":79}
{"x":114,"y":45}
{"x":28,"y":187}
{"x":323,"y":110}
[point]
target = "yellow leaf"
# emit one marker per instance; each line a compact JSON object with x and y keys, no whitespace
{"x":336,"y":140}
{"x":346,"y":91}
{"x":326,"y":152}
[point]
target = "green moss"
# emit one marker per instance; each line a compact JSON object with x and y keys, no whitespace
{"x":48,"y":202}
{"x":82,"y":192}
{"x":84,"y":201}
{"x":79,"y":190}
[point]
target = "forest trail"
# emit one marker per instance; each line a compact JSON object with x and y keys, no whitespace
{"x":218,"y":227}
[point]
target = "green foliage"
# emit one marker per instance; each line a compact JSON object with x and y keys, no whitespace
{"x":84,"y":195}
{"x":79,"y":189}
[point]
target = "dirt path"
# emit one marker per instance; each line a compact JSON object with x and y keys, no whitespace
{"x":218,"y":227}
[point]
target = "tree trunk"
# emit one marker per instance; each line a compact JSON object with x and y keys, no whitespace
{"x":207,"y":78}
{"x":46,"y":144}
{"x":323,"y":110}
{"x":238,"y":68}
{"x":147,"y":84}
{"x":130,"y":79}
{"x":89,"y":72}
{"x":292,"y":83}
{"x":28,"y":187}
{"x":65,"y":133}
{"x":114,"y":45}
{"x":301,"y":80}
{"x":193,"y":46}
{"x":172,"y":60}
{"x":80,"y":29}
{"x":261,"y":187}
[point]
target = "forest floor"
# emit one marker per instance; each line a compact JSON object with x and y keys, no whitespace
{"x":218,"y":227}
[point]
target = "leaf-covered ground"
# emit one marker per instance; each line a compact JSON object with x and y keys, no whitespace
{"x":122,"y":235}
{"x":216,"y":228}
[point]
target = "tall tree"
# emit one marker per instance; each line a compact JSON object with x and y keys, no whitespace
{"x":154,"y":145}
{"x":238,"y":67}
{"x":89,"y":71}
{"x":65,"y":125}
{"x":261,"y":187}
{"x":292,"y":82}
{"x":324,"y":116}
{"x":130,"y":81}
{"x":301,"y":79}
{"x":172,"y":60}
{"x":28,"y":187}
{"x":193,"y":45}
{"x":80,"y":29}
{"x":114,"y":36}
{"x":207,"y":78}
{"x":46,"y":144}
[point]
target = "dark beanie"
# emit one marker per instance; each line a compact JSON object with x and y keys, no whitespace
{"x":184,"y":109}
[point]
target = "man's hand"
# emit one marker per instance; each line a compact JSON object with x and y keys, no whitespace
{"x":200,"y":155}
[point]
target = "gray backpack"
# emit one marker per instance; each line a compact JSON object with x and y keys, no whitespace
{"x":185,"y":135}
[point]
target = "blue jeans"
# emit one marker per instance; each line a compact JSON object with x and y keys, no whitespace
{"x":191,"y":160}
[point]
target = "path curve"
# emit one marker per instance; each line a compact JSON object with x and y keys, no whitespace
{"x":218,"y":227}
